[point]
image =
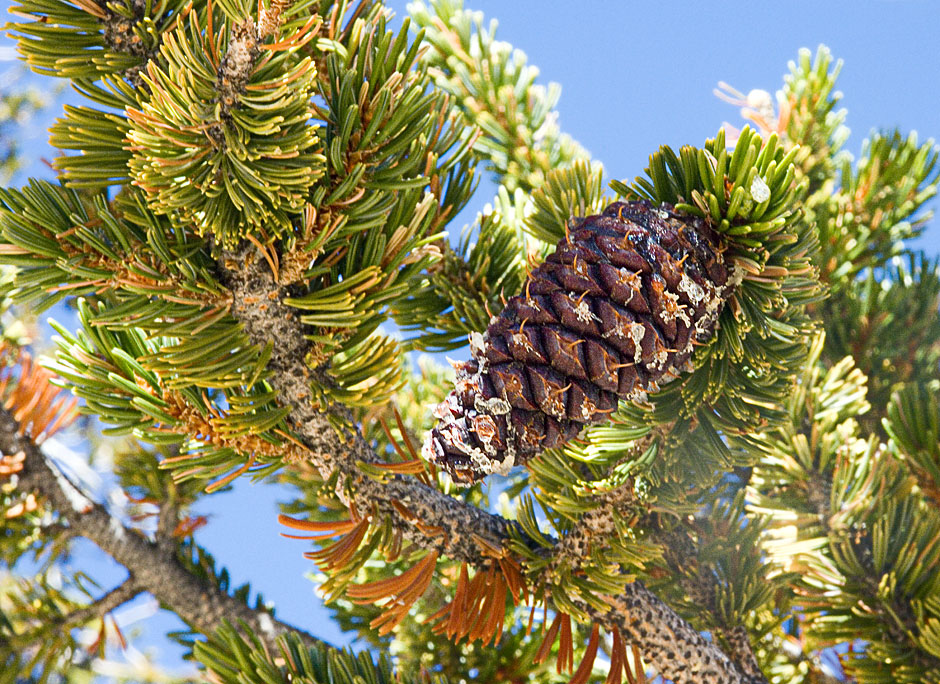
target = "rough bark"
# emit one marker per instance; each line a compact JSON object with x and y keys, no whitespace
{"x":199,"y":604}
{"x":669,"y":643}
{"x":249,"y":279}
{"x":741,"y":650}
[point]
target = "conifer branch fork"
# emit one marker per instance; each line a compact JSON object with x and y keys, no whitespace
{"x":150,"y":566}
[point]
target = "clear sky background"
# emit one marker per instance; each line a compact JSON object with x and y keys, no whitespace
{"x":634,"y":76}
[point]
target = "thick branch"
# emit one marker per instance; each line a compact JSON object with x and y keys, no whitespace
{"x":248,"y":278}
{"x":199,"y":604}
{"x":670,"y":644}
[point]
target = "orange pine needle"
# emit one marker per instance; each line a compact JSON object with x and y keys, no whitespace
{"x":391,"y":440}
{"x":475,"y":615}
{"x":339,"y":527}
{"x":488,"y":548}
{"x":470,"y":620}
{"x":97,"y":647}
{"x":337,"y":554}
{"x":548,"y":641}
{"x":300,"y":37}
{"x":392,"y":550}
{"x":210,"y":34}
{"x":618,"y":660}
{"x":431,"y":530}
{"x":403,"y":510}
{"x":496,"y":608}
{"x":458,"y":605}
{"x":402,"y":592}
{"x":638,"y":674}
{"x":404,"y":433}
{"x":73,"y":286}
{"x":391,"y":586}
{"x":268,"y":253}
{"x":478,"y":610}
{"x":565,"y":647}
{"x":120,"y":636}
{"x":222,"y":481}
{"x":290,"y":438}
{"x":185,"y":528}
{"x":583,"y":673}
{"x":39,"y":406}
{"x":528,"y":627}
{"x":414,"y":467}
{"x":177,"y":459}
{"x":442,"y":626}
{"x":514,"y":579}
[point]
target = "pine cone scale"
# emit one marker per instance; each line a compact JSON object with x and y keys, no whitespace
{"x":564,"y":351}
{"x":610,"y":314}
{"x":602,"y":364}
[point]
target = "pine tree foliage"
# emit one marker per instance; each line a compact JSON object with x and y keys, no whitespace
{"x":495,"y":89}
{"x":895,"y":302}
{"x":232,"y":658}
{"x":252,"y":194}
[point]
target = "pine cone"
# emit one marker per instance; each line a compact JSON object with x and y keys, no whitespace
{"x":613,"y":312}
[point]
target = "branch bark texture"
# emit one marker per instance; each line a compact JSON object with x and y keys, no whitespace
{"x":674,"y":648}
{"x":249,"y":279}
{"x":152,"y":568}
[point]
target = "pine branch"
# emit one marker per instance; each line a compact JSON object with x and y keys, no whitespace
{"x":199,"y":604}
{"x":248,"y":278}
{"x":670,"y":644}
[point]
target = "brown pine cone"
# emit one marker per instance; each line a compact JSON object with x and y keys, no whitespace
{"x":613,"y":312}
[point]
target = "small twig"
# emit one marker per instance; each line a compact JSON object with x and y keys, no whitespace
{"x":58,"y":531}
{"x":167,"y":519}
{"x":100,"y":607}
{"x":200,"y":604}
{"x":97,"y":609}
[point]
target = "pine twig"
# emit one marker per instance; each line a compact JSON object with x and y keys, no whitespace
{"x":199,"y":604}
{"x":97,"y":609}
{"x":117,"y":597}
{"x":250,"y":281}
{"x":670,"y":644}
{"x":167,"y":519}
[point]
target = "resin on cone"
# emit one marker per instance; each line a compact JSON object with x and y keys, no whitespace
{"x":612,"y":313}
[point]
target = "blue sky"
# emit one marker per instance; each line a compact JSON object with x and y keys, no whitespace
{"x":634,"y":76}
